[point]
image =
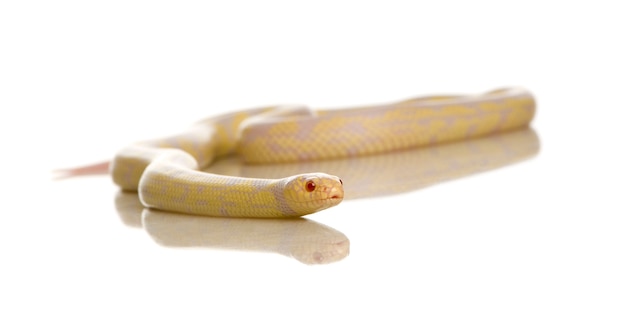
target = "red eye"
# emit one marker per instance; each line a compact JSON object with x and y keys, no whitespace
{"x":310,"y":186}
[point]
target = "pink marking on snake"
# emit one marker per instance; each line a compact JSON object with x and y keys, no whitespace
{"x":224,"y":212}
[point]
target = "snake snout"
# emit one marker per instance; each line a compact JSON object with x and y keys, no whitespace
{"x":335,"y":192}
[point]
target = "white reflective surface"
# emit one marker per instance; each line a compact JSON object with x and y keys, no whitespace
{"x":529,"y":220}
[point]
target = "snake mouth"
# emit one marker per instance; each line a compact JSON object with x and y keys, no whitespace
{"x":334,"y":199}
{"x":330,"y":201}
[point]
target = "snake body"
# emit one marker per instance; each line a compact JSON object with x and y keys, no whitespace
{"x":165,"y":171}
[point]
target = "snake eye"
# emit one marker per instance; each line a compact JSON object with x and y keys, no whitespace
{"x":340,"y":181}
{"x":310,"y":186}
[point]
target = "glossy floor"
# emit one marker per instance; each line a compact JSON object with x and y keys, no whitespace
{"x":532,"y":219}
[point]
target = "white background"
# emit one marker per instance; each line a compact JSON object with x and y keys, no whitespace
{"x":80,"y":79}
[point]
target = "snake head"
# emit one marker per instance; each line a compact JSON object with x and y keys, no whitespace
{"x":312,"y":192}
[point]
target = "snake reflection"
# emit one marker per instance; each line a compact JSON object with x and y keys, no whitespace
{"x":308,"y":241}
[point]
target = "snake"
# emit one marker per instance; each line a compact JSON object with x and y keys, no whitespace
{"x":167,"y":172}
{"x":303,"y":239}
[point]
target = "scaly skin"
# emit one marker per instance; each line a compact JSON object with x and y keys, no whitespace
{"x":165,"y":172}
{"x":366,"y":176}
